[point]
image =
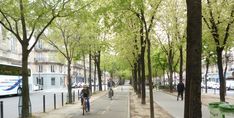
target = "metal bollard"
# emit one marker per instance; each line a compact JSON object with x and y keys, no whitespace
{"x":54,"y":101}
{"x":74,"y":96}
{"x":62,"y":99}
{"x":78,"y":95}
{"x":44,"y":103}
{"x":1,"y":107}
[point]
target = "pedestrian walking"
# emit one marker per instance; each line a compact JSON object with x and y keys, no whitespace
{"x":180,"y":90}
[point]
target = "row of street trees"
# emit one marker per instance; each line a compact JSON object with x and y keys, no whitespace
{"x":166,"y":24}
{"x":70,"y":26}
{"x":135,"y":39}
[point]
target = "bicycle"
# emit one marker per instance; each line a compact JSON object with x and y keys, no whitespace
{"x":110,"y":93}
{"x":85,"y":105}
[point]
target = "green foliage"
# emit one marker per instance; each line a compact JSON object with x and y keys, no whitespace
{"x":219,"y":14}
{"x":159,"y":62}
{"x":36,"y":15}
{"x":115,"y":65}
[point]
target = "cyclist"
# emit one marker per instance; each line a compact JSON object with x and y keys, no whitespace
{"x":85,"y":94}
{"x":110,"y":83}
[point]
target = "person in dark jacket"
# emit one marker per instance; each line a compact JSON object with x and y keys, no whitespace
{"x":180,"y":90}
{"x":85,"y":94}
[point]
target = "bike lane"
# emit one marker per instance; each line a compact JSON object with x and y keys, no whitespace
{"x":174,"y":107}
{"x":103,"y":107}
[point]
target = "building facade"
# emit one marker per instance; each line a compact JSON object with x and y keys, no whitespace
{"x":48,"y":67}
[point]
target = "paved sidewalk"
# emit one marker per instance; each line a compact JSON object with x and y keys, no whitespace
{"x":168,"y":101}
{"x":143,"y":111}
{"x":68,"y":110}
{"x":176,"y":108}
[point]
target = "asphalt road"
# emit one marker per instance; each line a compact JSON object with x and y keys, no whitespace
{"x":10,"y":103}
{"x":103,"y":107}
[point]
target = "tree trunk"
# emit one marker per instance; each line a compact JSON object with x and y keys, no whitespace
{"x":170,"y":64}
{"x":207,"y":70}
{"x":225,"y":69}
{"x":181,"y":63}
{"x":139,"y":77}
{"x":25,"y":54}
{"x":164,"y":79}
{"x":99,"y":70}
{"x":25,"y":88}
{"x":135,"y":77}
{"x":193,"y":64}
{"x":132,"y":79}
{"x":90,"y":72}
{"x":69,"y":87}
{"x":94,"y":81}
{"x":142,"y":59}
{"x":150,"y":78}
{"x":84,"y":67}
{"x":221,"y":77}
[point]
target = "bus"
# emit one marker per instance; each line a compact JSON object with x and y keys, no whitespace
{"x":213,"y":81}
{"x":10,"y":80}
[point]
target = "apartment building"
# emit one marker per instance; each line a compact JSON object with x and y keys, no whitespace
{"x":49,"y":70}
{"x":213,"y":68}
{"x":48,"y":67}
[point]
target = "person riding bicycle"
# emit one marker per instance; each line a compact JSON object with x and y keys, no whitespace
{"x":110,"y":83}
{"x":85,"y":94}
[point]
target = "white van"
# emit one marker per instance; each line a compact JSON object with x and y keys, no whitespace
{"x":230,"y":83}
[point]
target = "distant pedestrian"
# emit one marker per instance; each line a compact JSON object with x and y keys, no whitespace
{"x":180,"y":90}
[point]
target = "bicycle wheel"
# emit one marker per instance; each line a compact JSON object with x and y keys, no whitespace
{"x":84,"y":106}
{"x":110,"y":94}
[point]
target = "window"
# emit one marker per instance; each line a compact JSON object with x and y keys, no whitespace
{"x":40,"y":68}
{"x":13,"y":44}
{"x":42,"y":83}
{"x":52,"y":81}
{"x":60,"y":68}
{"x":61,"y":81}
{"x":37,"y":80}
{"x":52,"y":68}
{"x":39,"y":44}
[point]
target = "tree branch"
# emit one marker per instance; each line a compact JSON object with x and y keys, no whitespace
{"x":163,"y":47}
{"x":207,"y":24}
{"x":152,"y":18}
{"x":5,"y":17}
{"x":228,"y":27}
{"x":41,"y":32}
{"x":55,"y":46}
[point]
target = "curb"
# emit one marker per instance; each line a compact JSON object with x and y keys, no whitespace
{"x":129,"y":114}
{"x":41,"y":114}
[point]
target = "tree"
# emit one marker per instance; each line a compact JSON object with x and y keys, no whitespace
{"x":208,"y":54}
{"x":219,"y":18}
{"x":159,"y":63}
{"x":65,"y":39}
{"x":27,"y":20}
{"x":171,"y":35}
{"x":193,"y":64}
{"x":148,"y":28}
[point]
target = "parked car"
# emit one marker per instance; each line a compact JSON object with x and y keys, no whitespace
{"x":230,"y":84}
{"x":213,"y":85}
{"x":36,"y":87}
